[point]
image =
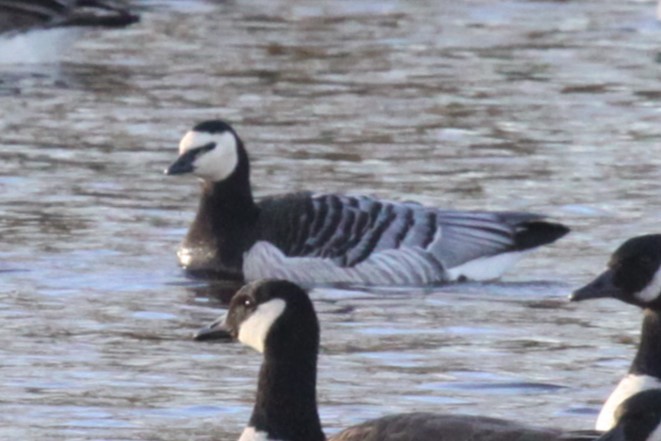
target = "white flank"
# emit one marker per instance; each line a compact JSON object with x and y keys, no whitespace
{"x":254,"y":329}
{"x":250,"y":434}
{"x":37,"y":46}
{"x":652,"y":290}
{"x":628,"y":386}
{"x":403,"y":267}
{"x":486,"y":268}
{"x":217,"y":164}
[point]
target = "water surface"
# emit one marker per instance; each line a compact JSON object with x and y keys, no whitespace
{"x":550,"y":107}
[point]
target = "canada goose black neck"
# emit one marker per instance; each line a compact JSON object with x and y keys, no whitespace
{"x":648,"y":358}
{"x":286,"y":404}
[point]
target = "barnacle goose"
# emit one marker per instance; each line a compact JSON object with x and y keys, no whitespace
{"x":633,"y":276}
{"x":277,"y":318}
{"x":36,"y":30}
{"x":330,"y":238}
{"x":638,"y":418}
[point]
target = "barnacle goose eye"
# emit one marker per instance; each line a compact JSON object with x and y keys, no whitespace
{"x":197,"y":151}
{"x":207,"y":147}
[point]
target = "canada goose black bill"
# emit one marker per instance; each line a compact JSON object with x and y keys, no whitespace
{"x":215,"y":331}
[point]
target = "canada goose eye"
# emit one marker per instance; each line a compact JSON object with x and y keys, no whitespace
{"x":646,"y":262}
{"x":248,"y":302}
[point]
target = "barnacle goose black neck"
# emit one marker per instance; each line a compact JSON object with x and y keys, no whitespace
{"x":329,"y":238}
{"x":35,"y":30}
{"x":277,"y":318}
{"x":633,"y":276}
{"x":638,"y":418}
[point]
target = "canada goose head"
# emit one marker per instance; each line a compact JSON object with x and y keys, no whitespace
{"x":633,"y":275}
{"x":211,"y":150}
{"x":638,"y":418}
{"x":270,"y":316}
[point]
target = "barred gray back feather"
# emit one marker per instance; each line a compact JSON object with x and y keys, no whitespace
{"x":349,"y":229}
{"x":336,"y":238}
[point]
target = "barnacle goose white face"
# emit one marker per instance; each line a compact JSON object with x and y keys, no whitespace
{"x":216,"y":163}
{"x":212,"y":156}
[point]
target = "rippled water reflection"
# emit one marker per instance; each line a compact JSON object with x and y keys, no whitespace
{"x":525,"y":105}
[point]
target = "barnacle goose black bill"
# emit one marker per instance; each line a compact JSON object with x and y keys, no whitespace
{"x":330,"y":238}
{"x":277,"y":318}
{"x":183,"y":165}
{"x":638,"y":418}
{"x":633,"y":276}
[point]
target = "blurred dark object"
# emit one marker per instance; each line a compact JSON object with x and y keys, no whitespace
{"x":23,"y":15}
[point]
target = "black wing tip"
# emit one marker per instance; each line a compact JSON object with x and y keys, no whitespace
{"x":120,"y":20}
{"x":537,"y":233}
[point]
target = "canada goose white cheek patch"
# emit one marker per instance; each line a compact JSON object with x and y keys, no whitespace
{"x":254,"y":329}
{"x":652,"y":290}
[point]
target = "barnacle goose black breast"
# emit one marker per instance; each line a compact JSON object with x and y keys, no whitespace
{"x":638,"y":418}
{"x":633,"y":276}
{"x":278,"y":319}
{"x":330,"y":238}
